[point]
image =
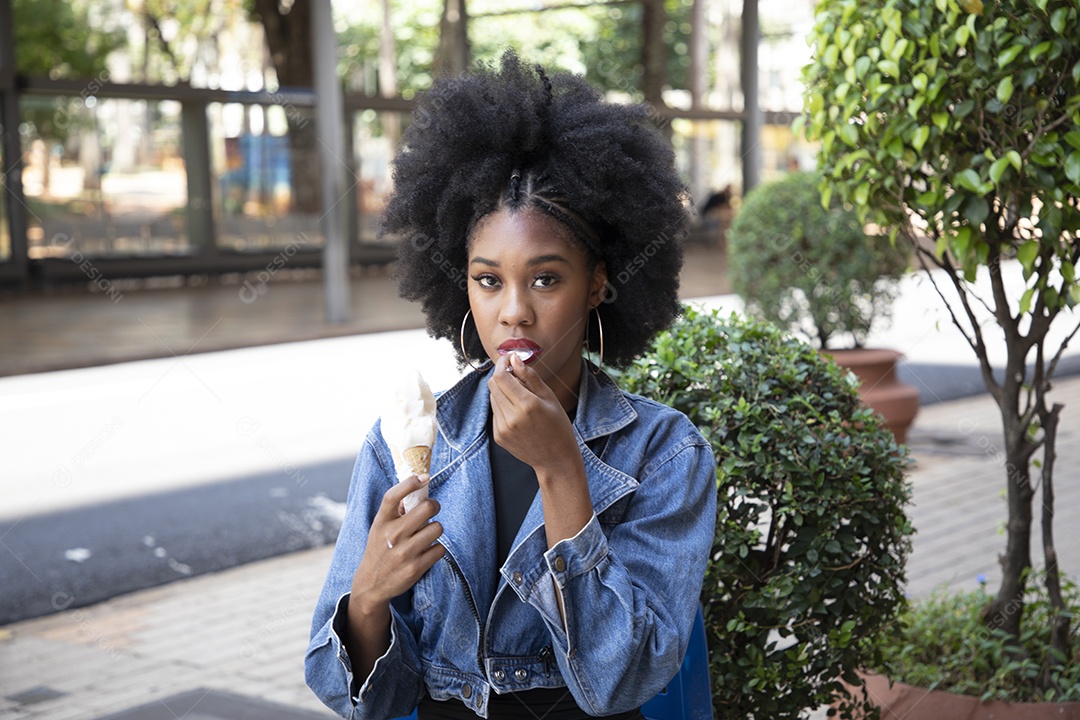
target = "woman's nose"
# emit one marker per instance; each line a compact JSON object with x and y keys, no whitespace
{"x":515,"y":308}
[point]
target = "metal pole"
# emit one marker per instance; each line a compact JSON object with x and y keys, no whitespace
{"x":10,"y":145}
{"x":751,"y":134}
{"x":330,"y":131}
{"x":699,"y":57}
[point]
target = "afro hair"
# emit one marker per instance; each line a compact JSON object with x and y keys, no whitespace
{"x":514,"y":137}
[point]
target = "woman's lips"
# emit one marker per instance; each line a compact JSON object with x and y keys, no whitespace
{"x":527,"y":350}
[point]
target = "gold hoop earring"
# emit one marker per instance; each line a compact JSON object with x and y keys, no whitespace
{"x":461,"y":340}
{"x":600,"y":326}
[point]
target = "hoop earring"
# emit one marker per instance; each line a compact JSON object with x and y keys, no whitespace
{"x":461,"y":340}
{"x":600,"y":326}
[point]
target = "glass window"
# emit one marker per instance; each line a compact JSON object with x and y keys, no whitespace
{"x":375,"y":141}
{"x":103,"y":177}
{"x":266,"y":179}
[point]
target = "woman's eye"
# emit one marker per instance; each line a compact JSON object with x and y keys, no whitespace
{"x":486,"y":281}
{"x":545,"y":280}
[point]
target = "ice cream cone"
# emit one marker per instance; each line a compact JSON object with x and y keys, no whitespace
{"x":418,"y":458}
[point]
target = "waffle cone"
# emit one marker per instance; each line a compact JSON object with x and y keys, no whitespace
{"x":418,"y":458}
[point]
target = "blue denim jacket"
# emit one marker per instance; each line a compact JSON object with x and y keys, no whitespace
{"x":629,"y":581}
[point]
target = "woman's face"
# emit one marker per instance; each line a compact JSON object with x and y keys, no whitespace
{"x":531,"y":289}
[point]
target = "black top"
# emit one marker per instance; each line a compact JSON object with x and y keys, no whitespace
{"x":546,"y":703}
{"x":514,"y":484}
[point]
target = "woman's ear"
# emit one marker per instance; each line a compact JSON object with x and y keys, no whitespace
{"x":598,"y":286}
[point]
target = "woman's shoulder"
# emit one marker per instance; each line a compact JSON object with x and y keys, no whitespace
{"x":655,"y":417}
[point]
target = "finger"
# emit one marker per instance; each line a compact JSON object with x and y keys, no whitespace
{"x":393,"y":497}
{"x":528,"y":379}
{"x":409,"y":536}
{"x":511,"y":388}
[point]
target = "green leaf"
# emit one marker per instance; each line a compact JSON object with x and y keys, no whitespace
{"x":1009,"y":55}
{"x":976,"y":210}
{"x":962,"y":241}
{"x":922,"y":134}
{"x":919,"y":82}
{"x":1025,"y":300}
{"x":1005,"y":89}
{"x":889,"y":67}
{"x":861,"y":66}
{"x":849,"y":134}
{"x":941,"y":119}
{"x":1057,"y":20}
{"x":1037,"y":51}
{"x":1072,"y":167}
{"x":997,"y":168}
{"x":1073,"y":138}
{"x":1027,"y":253}
{"x":1015,"y":159}
{"x":1051,"y":298}
{"x":968,"y":179}
{"x":962,"y":35}
{"x":862,"y":192}
{"x":1068,"y":272}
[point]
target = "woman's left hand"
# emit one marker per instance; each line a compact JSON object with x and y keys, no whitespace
{"x":528,"y":419}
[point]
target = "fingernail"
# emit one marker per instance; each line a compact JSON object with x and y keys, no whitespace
{"x":423,"y":478}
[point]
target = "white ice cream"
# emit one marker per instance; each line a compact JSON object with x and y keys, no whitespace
{"x":409,"y":419}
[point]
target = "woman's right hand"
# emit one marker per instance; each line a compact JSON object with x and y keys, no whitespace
{"x":400,"y":547}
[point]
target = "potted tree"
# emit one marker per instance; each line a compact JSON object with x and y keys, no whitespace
{"x":956,"y":125}
{"x":807,"y":564}
{"x":810,"y":268}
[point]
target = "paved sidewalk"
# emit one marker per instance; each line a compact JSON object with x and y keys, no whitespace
{"x":245,"y":630}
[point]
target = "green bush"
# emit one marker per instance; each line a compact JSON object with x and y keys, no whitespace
{"x":943,"y":643}
{"x":809,"y":269}
{"x":808,"y":559}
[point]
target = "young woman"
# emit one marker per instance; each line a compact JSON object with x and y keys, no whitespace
{"x":555,"y":569}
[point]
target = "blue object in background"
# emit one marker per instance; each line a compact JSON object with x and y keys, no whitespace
{"x":687,"y":696}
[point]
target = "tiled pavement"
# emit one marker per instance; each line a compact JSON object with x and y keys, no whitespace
{"x":245,"y":630}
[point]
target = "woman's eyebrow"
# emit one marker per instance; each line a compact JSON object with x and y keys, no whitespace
{"x":541,"y":259}
{"x":538,"y":260}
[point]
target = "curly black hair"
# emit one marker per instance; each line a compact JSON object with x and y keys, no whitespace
{"x":514,"y":137}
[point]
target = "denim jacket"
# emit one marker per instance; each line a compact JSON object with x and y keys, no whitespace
{"x":629,"y":580}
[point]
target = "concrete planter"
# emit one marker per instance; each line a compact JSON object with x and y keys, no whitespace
{"x":898,"y":700}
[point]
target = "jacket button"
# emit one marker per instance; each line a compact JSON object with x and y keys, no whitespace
{"x":518,"y":579}
{"x":500,"y":675}
{"x":521,"y":674}
{"x":560,"y":564}
{"x":466,"y":691}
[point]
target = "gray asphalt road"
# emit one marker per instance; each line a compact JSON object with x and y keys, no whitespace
{"x":74,"y":558}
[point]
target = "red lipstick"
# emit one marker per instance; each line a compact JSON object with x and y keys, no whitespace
{"x":524,"y":348}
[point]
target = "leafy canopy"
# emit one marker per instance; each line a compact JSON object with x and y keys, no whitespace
{"x":960,"y":120}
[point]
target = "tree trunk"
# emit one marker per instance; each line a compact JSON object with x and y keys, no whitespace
{"x":288,"y":36}
{"x":1006,"y":610}
{"x":1059,"y":633}
{"x":653,"y":52}
{"x":452,"y":55}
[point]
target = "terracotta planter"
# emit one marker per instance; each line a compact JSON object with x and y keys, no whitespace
{"x":913,"y":703}
{"x":878,"y":386}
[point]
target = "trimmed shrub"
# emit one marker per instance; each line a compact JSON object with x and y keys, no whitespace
{"x":811,"y":539}
{"x":809,"y":269}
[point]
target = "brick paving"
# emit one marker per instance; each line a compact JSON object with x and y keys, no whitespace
{"x":245,"y":630}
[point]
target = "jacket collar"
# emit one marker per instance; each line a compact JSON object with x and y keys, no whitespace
{"x":462,"y":411}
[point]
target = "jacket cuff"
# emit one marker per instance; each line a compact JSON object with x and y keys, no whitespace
{"x":392,"y":658}
{"x":578,"y":555}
